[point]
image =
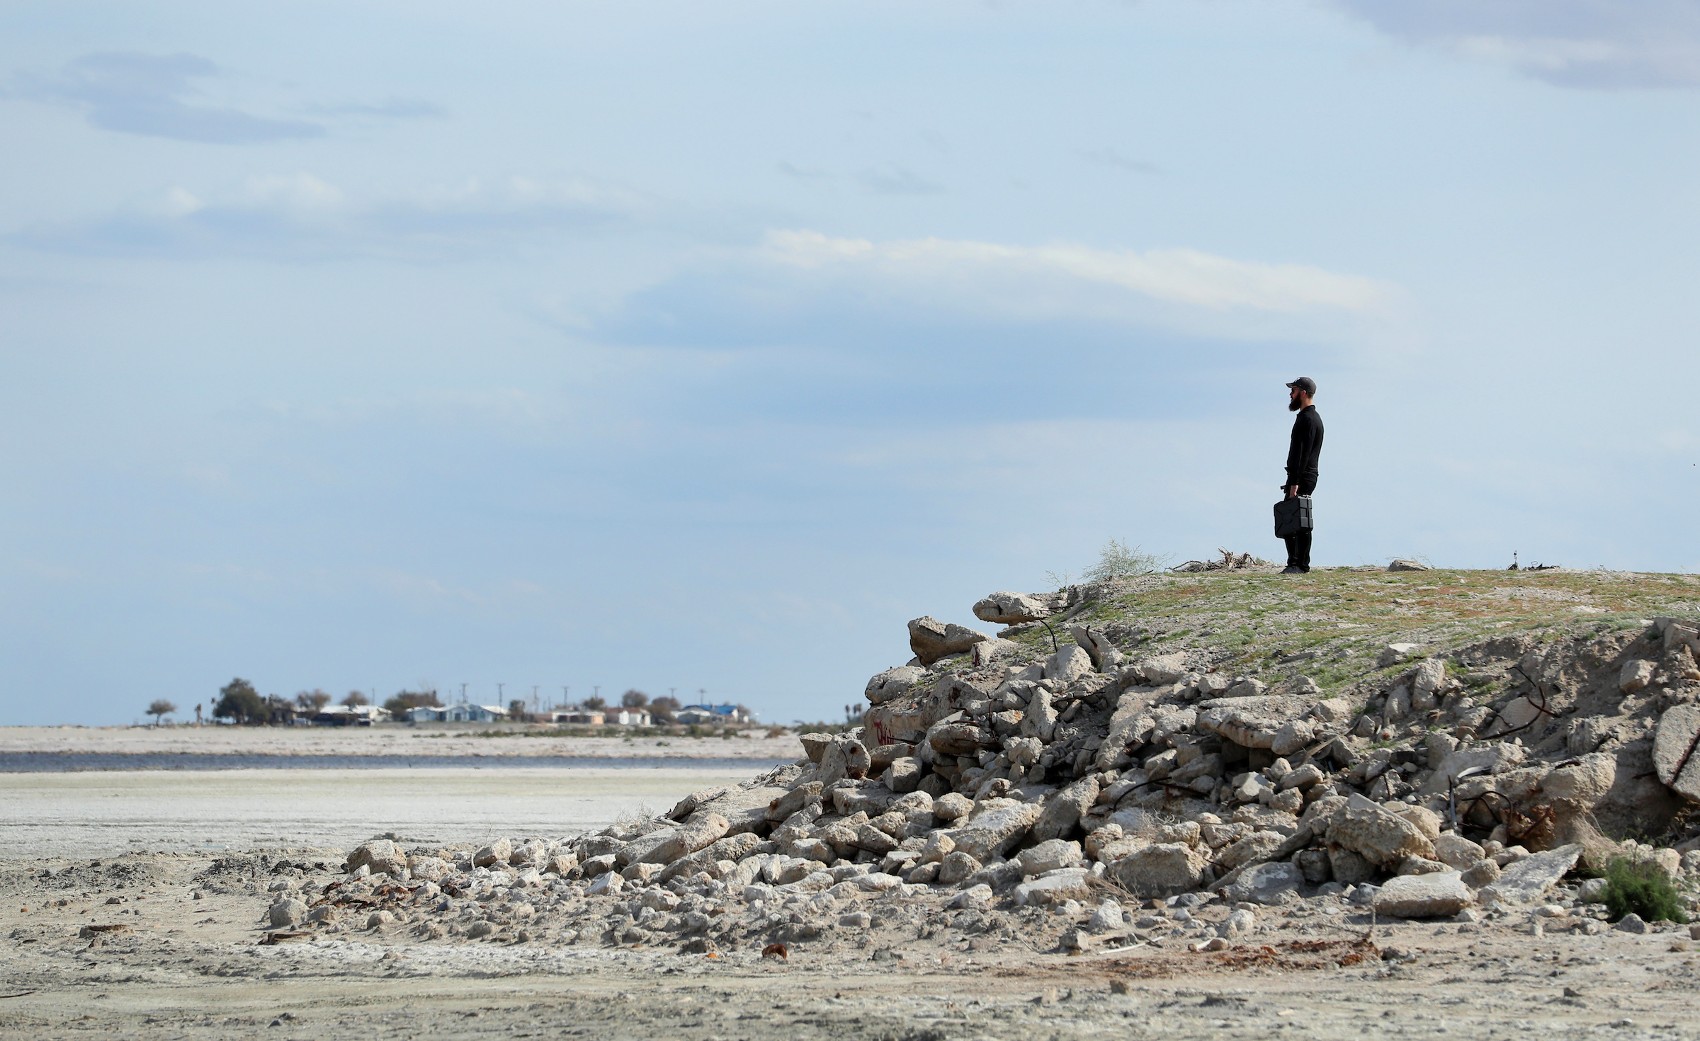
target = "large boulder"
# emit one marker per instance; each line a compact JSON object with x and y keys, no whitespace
{"x":1005,"y":608}
{"x":907,"y":717}
{"x":1378,"y":835}
{"x":933,"y":640}
{"x":998,"y":825}
{"x":1675,"y":748}
{"x":1252,"y":722}
{"x":1105,"y":657}
{"x":1062,"y":811}
{"x":702,"y":829}
{"x":893,"y":683}
{"x":1267,"y":883}
{"x":1129,"y":724}
{"x":1160,"y":869}
{"x":1050,"y":855}
{"x":1437,"y":895}
{"x":379,"y":856}
{"x":1069,"y":663}
{"x":957,"y":737}
{"x":1527,"y":880}
{"x":1054,"y":887}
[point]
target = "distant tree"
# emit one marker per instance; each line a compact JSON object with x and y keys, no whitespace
{"x":279,"y":710}
{"x":517,"y":712}
{"x":662,"y":709}
{"x":312,"y":700}
{"x":634,"y":699}
{"x":406,"y":700}
{"x":240,"y":702}
{"x":160,"y":708}
{"x":595,"y":704}
{"x":744,"y":713}
{"x":355,"y":699}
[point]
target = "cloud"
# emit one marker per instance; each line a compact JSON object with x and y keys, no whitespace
{"x":1588,"y":44}
{"x":921,"y":333}
{"x":897,"y":180}
{"x":147,"y":94}
{"x":1177,"y":276}
{"x":301,"y":216}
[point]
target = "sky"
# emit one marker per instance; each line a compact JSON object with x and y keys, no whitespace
{"x":696,"y":348}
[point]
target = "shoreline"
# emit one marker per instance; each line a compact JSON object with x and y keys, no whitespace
{"x":398,"y":740}
{"x":54,"y":816}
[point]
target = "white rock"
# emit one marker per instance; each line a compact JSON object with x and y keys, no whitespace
{"x":287,"y":911}
{"x":1053,"y":888}
{"x":1456,"y":851}
{"x":1674,"y":755}
{"x":977,"y":897}
{"x":1422,"y":896}
{"x":1635,"y":675}
{"x":1527,"y":880}
{"x":1394,"y":653}
{"x":1050,"y":855}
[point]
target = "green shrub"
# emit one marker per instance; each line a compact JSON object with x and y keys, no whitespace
{"x":1640,"y":887}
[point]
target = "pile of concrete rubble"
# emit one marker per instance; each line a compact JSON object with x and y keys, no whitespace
{"x":1088,"y":793}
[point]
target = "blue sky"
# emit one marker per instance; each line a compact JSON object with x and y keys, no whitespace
{"x":701,"y":346}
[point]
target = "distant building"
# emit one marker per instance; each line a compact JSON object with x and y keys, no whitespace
{"x":724,"y":714}
{"x":630,"y":717}
{"x":576,"y":715}
{"x":475,"y":714}
{"x":427,"y":714}
{"x":350,"y":715}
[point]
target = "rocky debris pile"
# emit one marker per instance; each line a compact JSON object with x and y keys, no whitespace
{"x":1228,"y":561}
{"x":1093,"y":792}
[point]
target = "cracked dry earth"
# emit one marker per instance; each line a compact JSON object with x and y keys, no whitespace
{"x":124,"y":947}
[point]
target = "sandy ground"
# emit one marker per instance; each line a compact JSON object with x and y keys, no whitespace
{"x":165,"y":942}
{"x":387,"y":739}
{"x":156,"y":946}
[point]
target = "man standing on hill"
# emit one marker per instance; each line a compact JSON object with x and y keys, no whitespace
{"x":1302,"y":455}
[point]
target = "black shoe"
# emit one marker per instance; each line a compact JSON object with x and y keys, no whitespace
{"x":1294,"y":569}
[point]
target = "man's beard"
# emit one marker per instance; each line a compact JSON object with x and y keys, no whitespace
{"x":1294,"y":405}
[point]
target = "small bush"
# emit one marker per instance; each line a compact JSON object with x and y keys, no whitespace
{"x":1641,"y":888}
{"x":1119,"y":560}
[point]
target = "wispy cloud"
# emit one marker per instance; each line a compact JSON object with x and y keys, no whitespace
{"x":1181,"y":276}
{"x":1588,"y":44}
{"x":302,"y":216}
{"x":898,"y":180}
{"x":153,"y":95}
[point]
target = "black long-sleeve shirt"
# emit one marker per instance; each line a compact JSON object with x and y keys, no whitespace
{"x":1306,"y":446}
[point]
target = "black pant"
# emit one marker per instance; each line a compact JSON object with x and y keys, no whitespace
{"x":1298,"y":546}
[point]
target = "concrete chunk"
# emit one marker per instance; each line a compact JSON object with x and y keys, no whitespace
{"x":1438,"y":895}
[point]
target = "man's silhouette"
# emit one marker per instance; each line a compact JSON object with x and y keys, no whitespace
{"x":1302,"y":455}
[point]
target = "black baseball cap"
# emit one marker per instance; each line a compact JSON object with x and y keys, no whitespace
{"x":1306,"y":384}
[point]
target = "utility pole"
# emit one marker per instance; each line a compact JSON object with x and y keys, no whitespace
{"x":534,"y":697}
{"x":566,"y":695}
{"x":499,"y":687}
{"x":463,"y":693}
